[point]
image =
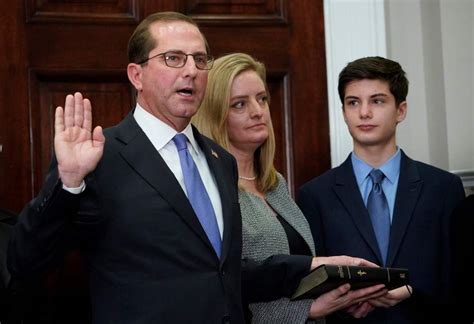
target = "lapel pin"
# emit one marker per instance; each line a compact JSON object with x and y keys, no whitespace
{"x":215,"y":154}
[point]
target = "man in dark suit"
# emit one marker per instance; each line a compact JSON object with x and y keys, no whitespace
{"x":123,"y":195}
{"x":407,"y":223}
{"x":462,"y":237}
{"x":6,"y":220}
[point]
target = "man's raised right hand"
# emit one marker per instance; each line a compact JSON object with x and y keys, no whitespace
{"x":78,"y":149}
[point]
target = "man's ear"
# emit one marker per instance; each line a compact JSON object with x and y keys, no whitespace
{"x":402,"y":111}
{"x":134,"y":72}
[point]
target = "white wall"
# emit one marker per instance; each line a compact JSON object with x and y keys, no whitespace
{"x":457,"y":19}
{"x":353,"y":29}
{"x":433,"y":41}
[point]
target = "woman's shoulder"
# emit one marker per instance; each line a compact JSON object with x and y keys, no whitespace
{"x":281,"y":183}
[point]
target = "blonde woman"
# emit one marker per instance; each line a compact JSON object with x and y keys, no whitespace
{"x":235,"y":113}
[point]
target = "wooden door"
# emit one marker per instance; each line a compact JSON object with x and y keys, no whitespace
{"x":49,"y":48}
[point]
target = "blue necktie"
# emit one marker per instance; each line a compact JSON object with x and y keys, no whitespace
{"x":197,"y":194}
{"x":379,"y":213}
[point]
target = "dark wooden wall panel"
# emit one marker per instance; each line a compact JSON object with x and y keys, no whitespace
{"x":309,"y":104}
{"x":279,"y":112}
{"x":55,"y":47}
{"x":15,"y":166}
{"x":110,"y":94}
{"x":83,"y":11}
{"x":255,"y":12}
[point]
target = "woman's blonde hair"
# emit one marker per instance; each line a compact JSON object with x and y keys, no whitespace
{"x":211,"y":118}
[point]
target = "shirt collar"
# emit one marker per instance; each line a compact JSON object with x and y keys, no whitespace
{"x":391,"y":168}
{"x":158,"y":131}
{"x":188,"y":131}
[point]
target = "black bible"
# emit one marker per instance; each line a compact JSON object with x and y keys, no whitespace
{"x":329,"y":276}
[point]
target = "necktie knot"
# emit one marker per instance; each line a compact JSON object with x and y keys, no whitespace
{"x":180,"y":141}
{"x":377,"y":176}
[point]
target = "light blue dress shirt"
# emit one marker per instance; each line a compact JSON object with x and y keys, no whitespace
{"x":391,"y":169}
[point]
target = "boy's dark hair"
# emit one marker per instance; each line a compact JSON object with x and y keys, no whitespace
{"x":375,"y":68}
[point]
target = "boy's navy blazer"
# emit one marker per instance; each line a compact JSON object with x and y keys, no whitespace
{"x":419,"y":235}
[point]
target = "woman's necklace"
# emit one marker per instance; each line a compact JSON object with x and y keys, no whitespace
{"x":248,"y":178}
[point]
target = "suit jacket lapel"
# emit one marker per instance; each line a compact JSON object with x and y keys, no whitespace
{"x":216,"y":167}
{"x":154,"y":170}
{"x":408,"y":191}
{"x":347,"y":190}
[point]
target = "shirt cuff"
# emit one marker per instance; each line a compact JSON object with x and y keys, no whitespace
{"x":77,"y":190}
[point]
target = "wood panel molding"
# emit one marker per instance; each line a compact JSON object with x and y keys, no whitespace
{"x":311,"y":151}
{"x":109,"y":91}
{"x":278,"y":84}
{"x":83,"y":11}
{"x":237,"y":12}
